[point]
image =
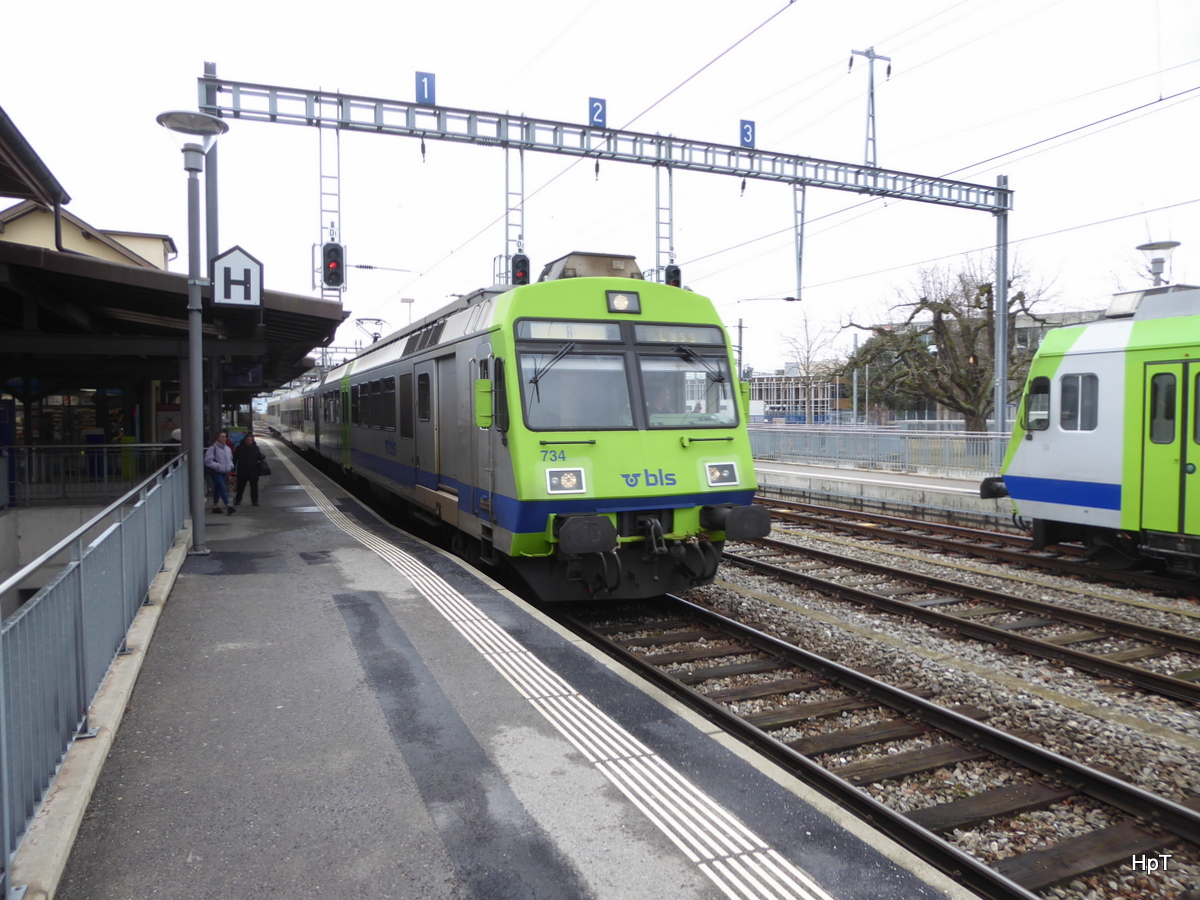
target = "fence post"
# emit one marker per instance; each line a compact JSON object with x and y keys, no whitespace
{"x":5,"y":786}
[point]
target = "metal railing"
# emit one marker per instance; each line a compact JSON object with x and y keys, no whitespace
{"x":950,"y":454}
{"x":77,"y":474}
{"x":56,"y":648}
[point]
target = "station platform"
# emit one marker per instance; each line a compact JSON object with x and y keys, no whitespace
{"x":901,"y":493}
{"x":329,"y":707}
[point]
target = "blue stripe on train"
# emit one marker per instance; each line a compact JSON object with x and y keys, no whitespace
{"x":1091,"y":494}
{"x":524,"y":517}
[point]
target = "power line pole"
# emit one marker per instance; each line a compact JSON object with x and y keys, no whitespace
{"x":871,"y":56}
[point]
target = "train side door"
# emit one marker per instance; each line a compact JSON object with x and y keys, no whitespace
{"x":343,"y":418}
{"x":426,"y":433}
{"x":1170,"y":482}
{"x":449,"y":427}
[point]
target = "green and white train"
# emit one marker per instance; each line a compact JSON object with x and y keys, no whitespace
{"x":1106,"y":446}
{"x":588,"y":429}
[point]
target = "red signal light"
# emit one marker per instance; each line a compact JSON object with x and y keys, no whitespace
{"x":334,"y":256}
{"x":520,"y":268}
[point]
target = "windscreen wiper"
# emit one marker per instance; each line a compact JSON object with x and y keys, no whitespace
{"x":691,"y":355}
{"x":539,"y":371}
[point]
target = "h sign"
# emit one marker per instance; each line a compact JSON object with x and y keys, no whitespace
{"x":236,"y":279}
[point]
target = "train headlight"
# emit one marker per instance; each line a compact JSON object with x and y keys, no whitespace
{"x":722,"y":474}
{"x":624,"y":301}
{"x":565,"y":481}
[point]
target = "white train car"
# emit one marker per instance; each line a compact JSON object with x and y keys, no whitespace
{"x":1106,"y":446}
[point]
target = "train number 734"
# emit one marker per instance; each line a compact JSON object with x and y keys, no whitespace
{"x":554,"y":456}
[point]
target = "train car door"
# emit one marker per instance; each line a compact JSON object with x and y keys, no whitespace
{"x":1171,"y":457}
{"x":449,"y":428}
{"x":437,"y":413}
{"x":343,"y":418}
{"x":426,"y":432}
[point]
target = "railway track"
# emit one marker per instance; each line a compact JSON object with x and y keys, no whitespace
{"x":1013,"y":548}
{"x":1064,"y":635}
{"x":791,"y":704}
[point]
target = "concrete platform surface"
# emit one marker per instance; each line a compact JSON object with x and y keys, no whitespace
{"x":332,"y":708}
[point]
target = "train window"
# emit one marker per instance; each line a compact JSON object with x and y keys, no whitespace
{"x":565,"y":330}
{"x":1037,"y":405}
{"x":499,"y":398}
{"x":355,"y":405}
{"x":423,"y":406}
{"x":564,"y":390}
{"x":1080,"y":396}
{"x":387,"y":411}
{"x":688,"y":390}
{"x":1162,"y":408}
{"x":1196,"y":412}
{"x":406,"y":405}
{"x":679,"y":334}
{"x":376,"y":405}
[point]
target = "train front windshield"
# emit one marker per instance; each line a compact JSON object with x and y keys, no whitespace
{"x":609,"y":375}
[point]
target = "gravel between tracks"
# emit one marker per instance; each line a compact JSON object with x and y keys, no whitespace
{"x":1150,"y":741}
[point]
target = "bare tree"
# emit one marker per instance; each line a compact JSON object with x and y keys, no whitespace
{"x":941,"y":343}
{"x":810,"y":350}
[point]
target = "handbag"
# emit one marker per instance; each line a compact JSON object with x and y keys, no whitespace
{"x":264,"y":468}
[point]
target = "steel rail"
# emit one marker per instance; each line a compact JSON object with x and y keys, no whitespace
{"x":1020,"y":557}
{"x":1152,"y":681}
{"x":973,"y":873}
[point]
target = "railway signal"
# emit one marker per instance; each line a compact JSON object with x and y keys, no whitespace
{"x":520,"y":268}
{"x":672,"y":276}
{"x":333,"y":265}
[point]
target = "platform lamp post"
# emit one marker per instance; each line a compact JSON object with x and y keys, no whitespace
{"x":1157,"y":255}
{"x":195,"y":133}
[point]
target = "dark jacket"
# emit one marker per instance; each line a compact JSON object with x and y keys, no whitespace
{"x":245,"y":460}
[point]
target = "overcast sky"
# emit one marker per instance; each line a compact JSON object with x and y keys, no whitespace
{"x":1090,"y":108}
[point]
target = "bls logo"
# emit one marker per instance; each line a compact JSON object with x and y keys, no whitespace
{"x":659,"y":479}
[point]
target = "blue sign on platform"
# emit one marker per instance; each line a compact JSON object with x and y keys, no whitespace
{"x":426,"y":88}
{"x":597,"y":112}
{"x":746,"y":134}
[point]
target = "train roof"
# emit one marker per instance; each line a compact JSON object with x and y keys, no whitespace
{"x":581,"y":264}
{"x":1155,"y":303}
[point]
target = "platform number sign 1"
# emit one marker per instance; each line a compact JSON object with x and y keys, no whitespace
{"x":426,"y":88}
{"x":597,"y":112}
{"x":746,"y":134}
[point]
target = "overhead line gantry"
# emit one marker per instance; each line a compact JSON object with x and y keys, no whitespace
{"x":519,"y":133}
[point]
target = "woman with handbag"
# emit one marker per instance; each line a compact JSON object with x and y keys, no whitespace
{"x":248,"y":463}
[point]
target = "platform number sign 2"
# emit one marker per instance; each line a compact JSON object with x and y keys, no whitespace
{"x":746,"y":134}
{"x":426,"y":88}
{"x":597,"y":112}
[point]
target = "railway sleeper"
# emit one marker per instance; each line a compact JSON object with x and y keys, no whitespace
{"x":910,"y":762}
{"x":1047,"y":866}
{"x":1009,"y":800}
{"x":876,"y":733}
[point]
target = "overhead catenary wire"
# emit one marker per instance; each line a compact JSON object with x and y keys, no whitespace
{"x":1145,"y":108}
{"x":580,"y":159}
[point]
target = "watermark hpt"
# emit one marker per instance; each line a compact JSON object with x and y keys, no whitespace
{"x":1153,"y":863}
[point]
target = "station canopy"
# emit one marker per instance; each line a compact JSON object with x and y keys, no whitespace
{"x":70,"y":318}
{"x":64,"y":314}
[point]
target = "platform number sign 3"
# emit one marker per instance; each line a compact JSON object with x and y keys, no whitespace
{"x":746,"y":134}
{"x":426,"y":88}
{"x":597,"y":112}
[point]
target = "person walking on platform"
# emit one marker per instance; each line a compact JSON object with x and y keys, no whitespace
{"x":247,"y":460}
{"x":218,"y":463}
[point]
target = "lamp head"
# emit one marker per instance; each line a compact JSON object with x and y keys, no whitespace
{"x":193,"y":128}
{"x":1157,"y":253}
